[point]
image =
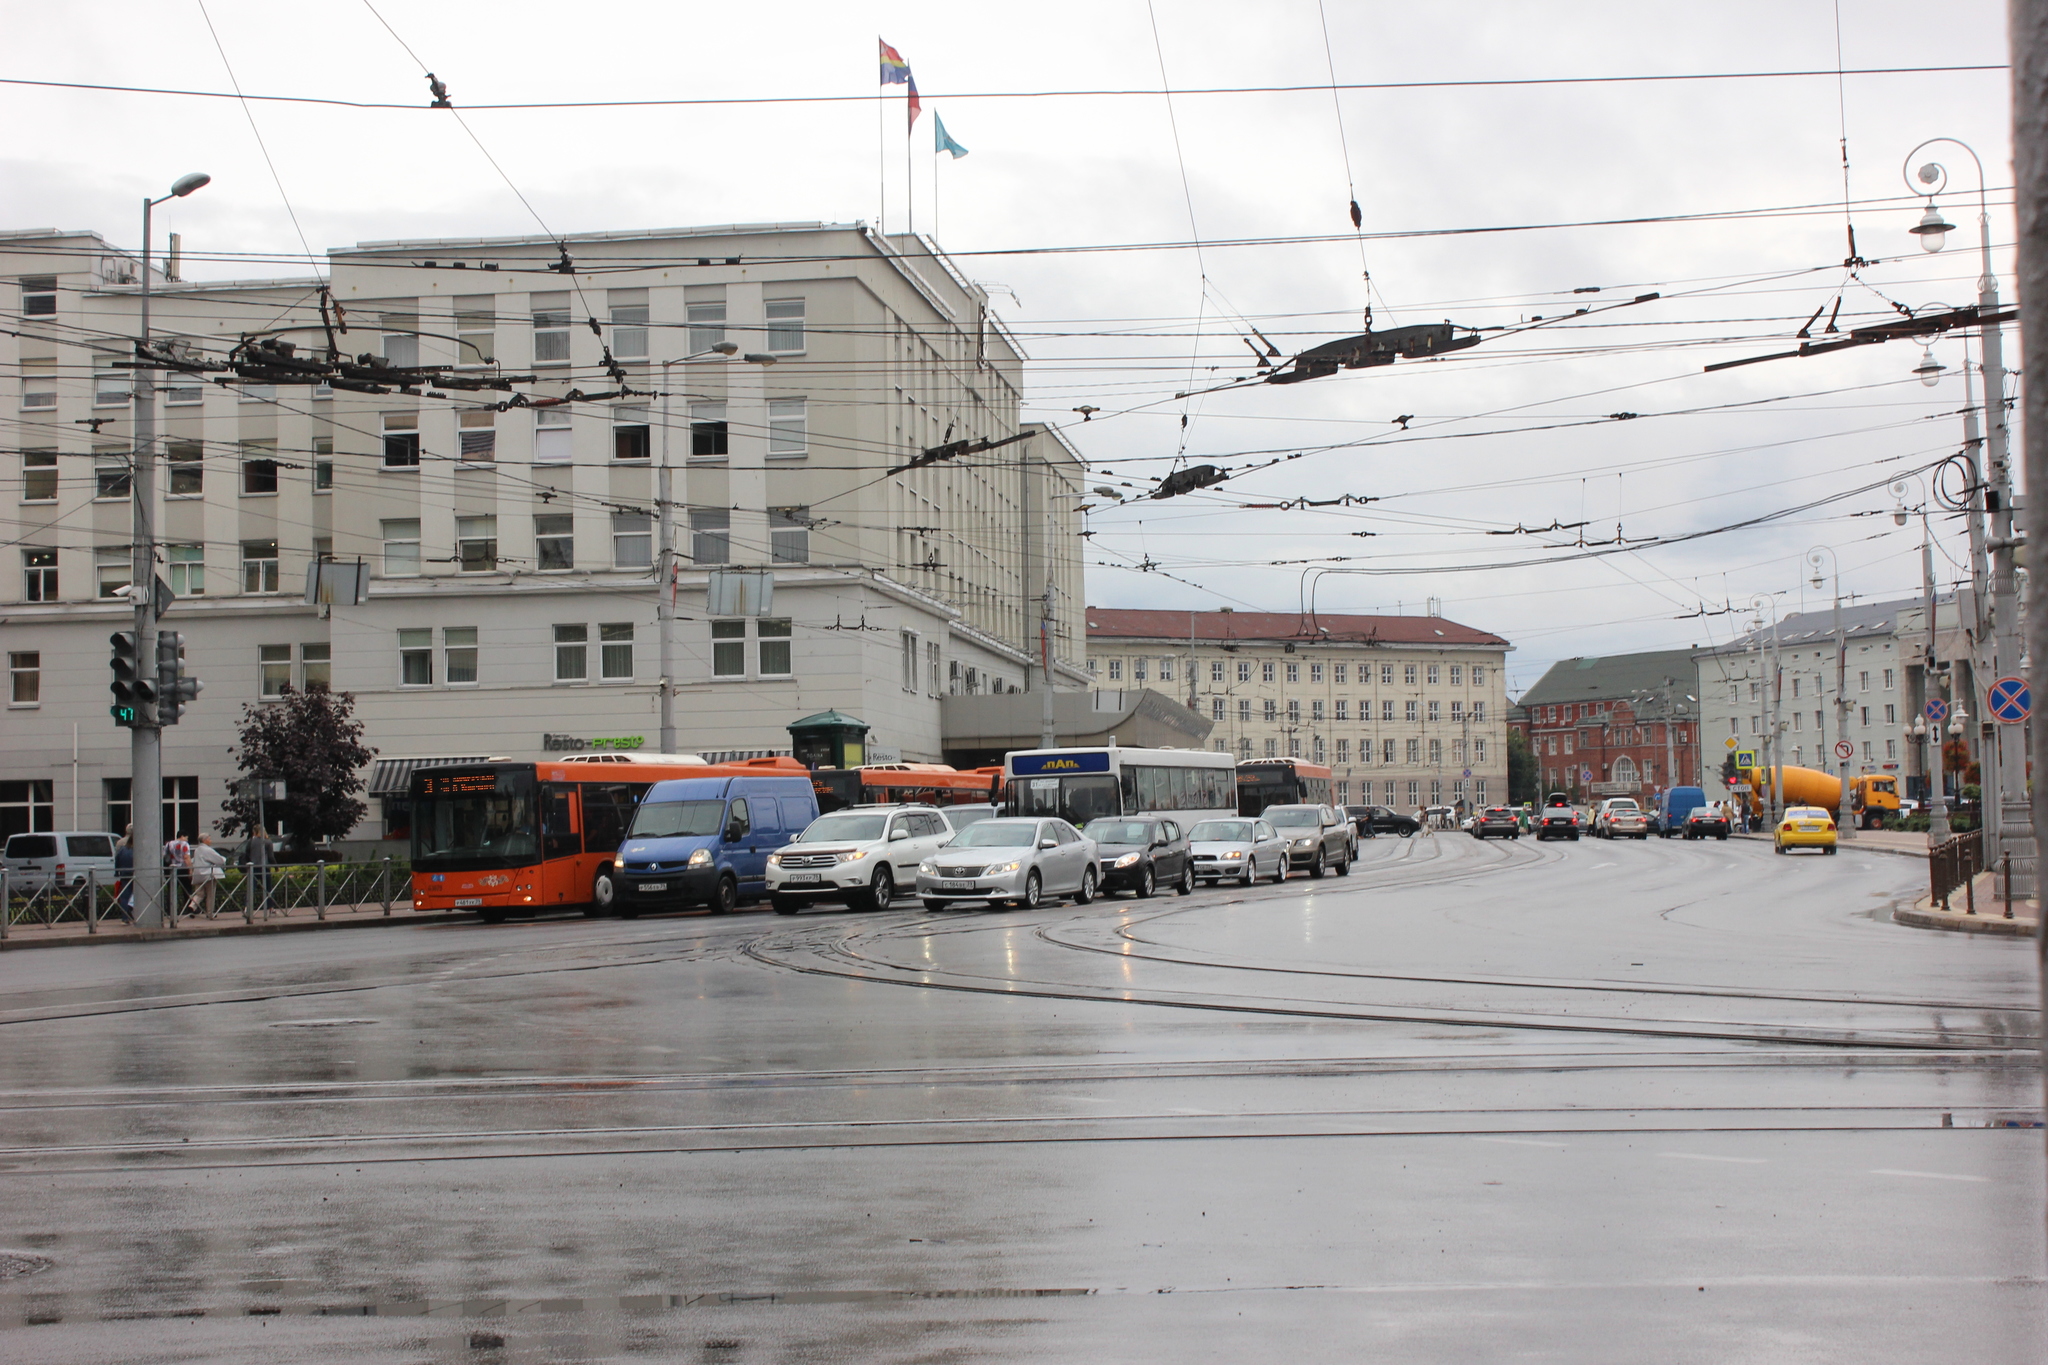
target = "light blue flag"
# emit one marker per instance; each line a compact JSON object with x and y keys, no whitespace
{"x":941,"y":142}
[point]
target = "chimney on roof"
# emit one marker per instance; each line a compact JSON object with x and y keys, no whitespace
{"x":177,"y":252}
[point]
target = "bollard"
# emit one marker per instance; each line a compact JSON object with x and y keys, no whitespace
{"x":1970,"y":895}
{"x":248,"y":895}
{"x":320,"y":902}
{"x":384,"y":886}
{"x":92,"y":900}
{"x":2005,"y":865}
{"x":6,"y":902}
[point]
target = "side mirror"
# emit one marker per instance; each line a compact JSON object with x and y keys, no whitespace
{"x":896,"y":834}
{"x":733,"y":833}
{"x":1048,"y":843}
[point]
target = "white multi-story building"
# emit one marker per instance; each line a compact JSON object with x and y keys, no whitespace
{"x":512,"y":550}
{"x":1405,"y":711}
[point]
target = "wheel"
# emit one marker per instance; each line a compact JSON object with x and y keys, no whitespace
{"x":1574,"y":836}
{"x":1187,"y":880}
{"x":724,"y":897}
{"x":1407,"y":834}
{"x":785,"y":905}
{"x":1722,"y":837}
{"x":1829,"y":850}
{"x":1147,"y":883}
{"x":1280,"y":868}
{"x":1034,"y":890}
{"x":882,"y":890}
{"x":1087,"y":891}
{"x":1478,"y":833}
{"x":1315,"y":869}
{"x":934,"y":906}
{"x":1777,"y":847}
{"x":1344,"y":868}
{"x":604,"y":893}
{"x":494,"y":916}
{"x":1250,"y":873}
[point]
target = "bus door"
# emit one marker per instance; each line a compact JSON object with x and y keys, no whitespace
{"x":561,"y":844}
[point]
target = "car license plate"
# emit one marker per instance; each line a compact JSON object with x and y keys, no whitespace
{"x":468,"y":900}
{"x":956,"y":886}
{"x":653,"y":886}
{"x":802,"y":878}
{"x":1809,"y":829}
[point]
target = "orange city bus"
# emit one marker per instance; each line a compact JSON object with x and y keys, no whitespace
{"x":931,"y":784}
{"x":507,"y":837}
{"x":1263,"y":782}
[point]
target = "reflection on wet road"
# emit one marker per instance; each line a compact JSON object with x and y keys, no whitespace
{"x":1473,"y":1100}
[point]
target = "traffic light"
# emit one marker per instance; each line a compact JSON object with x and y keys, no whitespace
{"x":174,"y":688}
{"x":134,"y":687}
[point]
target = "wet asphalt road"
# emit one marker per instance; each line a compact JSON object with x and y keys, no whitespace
{"x":1563,"y":1102}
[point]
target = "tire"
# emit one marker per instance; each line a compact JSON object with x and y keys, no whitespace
{"x":785,"y":905}
{"x":1574,"y":836}
{"x":494,"y":915}
{"x":1187,"y":880}
{"x":1034,"y":891}
{"x":1147,"y":883}
{"x":1829,"y":850}
{"x":880,"y":891}
{"x":933,"y":907}
{"x":725,"y":897}
{"x":1315,"y":869}
{"x":1250,"y":873}
{"x":1722,"y":837}
{"x":604,"y":894}
{"x":1280,"y":868}
{"x":1777,"y":848}
{"x":1479,"y":834}
{"x":1344,"y":868}
{"x":1407,"y":833}
{"x":1087,"y":892}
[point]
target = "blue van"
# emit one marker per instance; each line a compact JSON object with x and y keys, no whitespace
{"x":1673,"y":805}
{"x":706,"y":840}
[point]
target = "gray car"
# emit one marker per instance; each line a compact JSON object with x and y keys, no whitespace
{"x":1021,"y":861}
{"x":1318,"y":838}
{"x":1242,"y":850}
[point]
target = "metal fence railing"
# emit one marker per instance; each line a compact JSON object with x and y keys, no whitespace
{"x":246,"y":893}
{"x":1955,"y":863}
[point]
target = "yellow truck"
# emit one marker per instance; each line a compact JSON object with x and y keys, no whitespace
{"x":1872,"y":796}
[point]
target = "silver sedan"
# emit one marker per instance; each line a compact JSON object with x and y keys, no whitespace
{"x":1237,"y":849}
{"x":1016,"y":860}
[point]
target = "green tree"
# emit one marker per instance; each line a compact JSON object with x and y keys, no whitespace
{"x":1522,"y":774}
{"x":312,"y":742}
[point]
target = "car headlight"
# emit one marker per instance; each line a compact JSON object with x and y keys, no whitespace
{"x":701,"y":858}
{"x":1001,"y":869}
{"x":1126,"y":860}
{"x":775,"y":860}
{"x":854,"y":855}
{"x":1304,"y":843}
{"x":1235,"y":855}
{"x":927,"y":866}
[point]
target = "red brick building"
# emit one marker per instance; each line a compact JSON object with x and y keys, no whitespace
{"x":1615,"y":726}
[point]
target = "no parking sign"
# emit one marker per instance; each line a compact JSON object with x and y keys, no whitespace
{"x":2009,"y":701}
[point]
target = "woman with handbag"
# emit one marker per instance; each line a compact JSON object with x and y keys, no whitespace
{"x":209,"y":869}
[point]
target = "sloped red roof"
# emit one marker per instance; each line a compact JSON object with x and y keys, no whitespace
{"x":1276,"y":626}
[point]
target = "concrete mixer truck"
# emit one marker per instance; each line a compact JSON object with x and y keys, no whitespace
{"x":1872,"y":796}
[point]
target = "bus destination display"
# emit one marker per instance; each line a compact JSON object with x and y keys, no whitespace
{"x":458,"y":784}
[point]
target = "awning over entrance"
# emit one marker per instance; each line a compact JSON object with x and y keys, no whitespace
{"x":393,"y":776}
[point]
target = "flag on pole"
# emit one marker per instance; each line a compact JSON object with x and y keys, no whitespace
{"x":895,"y":71}
{"x":942,"y":141}
{"x":916,"y":106}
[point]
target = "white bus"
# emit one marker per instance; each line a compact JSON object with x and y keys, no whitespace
{"x":1079,"y":785}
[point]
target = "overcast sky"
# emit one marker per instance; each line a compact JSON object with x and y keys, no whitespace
{"x":1490,"y":442}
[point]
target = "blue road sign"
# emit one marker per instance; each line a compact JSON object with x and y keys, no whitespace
{"x":2009,"y":701}
{"x":1937,"y":710}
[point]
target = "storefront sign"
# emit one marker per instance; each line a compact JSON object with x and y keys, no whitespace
{"x":576,"y":744}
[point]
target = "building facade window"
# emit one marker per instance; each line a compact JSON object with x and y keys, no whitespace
{"x":711,"y":535}
{"x":458,"y":654}
{"x":38,"y":382}
{"x":572,"y":653}
{"x":416,"y":658}
{"x":39,"y":575}
{"x":401,"y":339}
{"x":1216,"y":708}
{"x":789,"y":534}
{"x":707,"y":326}
{"x":25,"y":677}
{"x":316,"y":665}
{"x":185,"y":462}
{"x":1436,"y":753}
{"x":629,"y":323}
{"x":1244,"y":670}
{"x":1272,"y":748}
{"x":1294,"y":673}
{"x":631,"y":437}
{"x":551,"y":327}
{"x":476,"y":321}
{"x":1887,"y":680}
{"x":1343,"y":709}
{"x":1315,"y":709}
{"x":1244,"y":710}
{"x":1116,"y":670}
{"x":1409,"y":710}
{"x":1387,"y":755}
{"x":38,"y":476}
{"x":710,"y":438}
{"x":259,"y":469}
{"x":1272,"y":711}
{"x":1266,"y":672}
{"x":111,"y":388}
{"x":554,"y":541}
{"x":1216,"y":671}
{"x":39,"y":296}
{"x":28,"y":807}
{"x":401,"y":432}
{"x":615,"y":651}
{"x":1457,"y":675}
{"x":112,"y":475}
{"x":1294,"y":711}
{"x":476,"y":544}
{"x":787,"y":422}
{"x":785,"y":325}
{"x":728,"y":649}
{"x":774,"y":636}
{"x":274,"y":670}
{"x":113,"y":566}
{"x":1315,"y":673}
{"x":187,"y":567}
{"x":476,"y":435}
{"x":632,"y":540}
{"x":554,"y":438}
{"x":1343,"y":751}
{"x":259,"y":566}
{"x":401,"y":548}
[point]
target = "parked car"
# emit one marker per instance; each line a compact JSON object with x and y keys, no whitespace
{"x":1497,"y":821}
{"x":1706,"y":821}
{"x":1385,"y":820}
{"x":960,"y":817}
{"x":1139,"y":853}
{"x":1440,"y":817}
{"x":66,"y":857}
{"x":1560,"y":819}
{"x":1317,"y":837}
{"x":1619,"y":817}
{"x":706,"y":840}
{"x":1674,"y":806}
{"x":1015,"y":860}
{"x":1239,"y":849}
{"x":858,"y":855}
{"x":1806,"y":827}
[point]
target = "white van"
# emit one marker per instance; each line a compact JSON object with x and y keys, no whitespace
{"x":67,"y":857}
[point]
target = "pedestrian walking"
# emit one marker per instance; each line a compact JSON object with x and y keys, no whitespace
{"x":124,"y":876}
{"x":256,"y":862}
{"x":209,"y":869}
{"x":177,"y":869}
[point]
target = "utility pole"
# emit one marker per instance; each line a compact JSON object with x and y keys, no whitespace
{"x":145,"y":746}
{"x":1047,"y":739}
{"x":1937,"y":804}
{"x":1844,"y":827}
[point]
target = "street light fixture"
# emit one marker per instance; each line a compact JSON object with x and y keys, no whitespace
{"x":1929,"y":370}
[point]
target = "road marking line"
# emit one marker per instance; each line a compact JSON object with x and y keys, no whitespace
{"x":1597,"y":866}
{"x":1933,"y":1175}
{"x":1521,"y":1142}
{"x":1702,"y":1156}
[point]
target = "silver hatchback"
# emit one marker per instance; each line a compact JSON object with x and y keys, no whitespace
{"x":1024,"y":862}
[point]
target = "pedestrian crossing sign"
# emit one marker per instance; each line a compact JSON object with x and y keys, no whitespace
{"x":1745,"y":758}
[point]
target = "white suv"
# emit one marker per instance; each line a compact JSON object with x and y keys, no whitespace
{"x":859,"y":855}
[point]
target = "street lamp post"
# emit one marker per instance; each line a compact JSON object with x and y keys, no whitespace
{"x":1844,"y":827}
{"x":2014,"y":822}
{"x":145,"y":745}
{"x":1773,"y":758}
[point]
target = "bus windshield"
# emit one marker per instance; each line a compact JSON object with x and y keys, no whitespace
{"x":474,"y":821}
{"x":1077,"y":799}
{"x":668,"y":819}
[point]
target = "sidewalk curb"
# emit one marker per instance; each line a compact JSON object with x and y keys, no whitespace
{"x":1848,"y":846}
{"x":14,"y":944}
{"x":1915,"y":917}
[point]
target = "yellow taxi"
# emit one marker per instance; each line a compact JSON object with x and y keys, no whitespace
{"x":1806,"y":827}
